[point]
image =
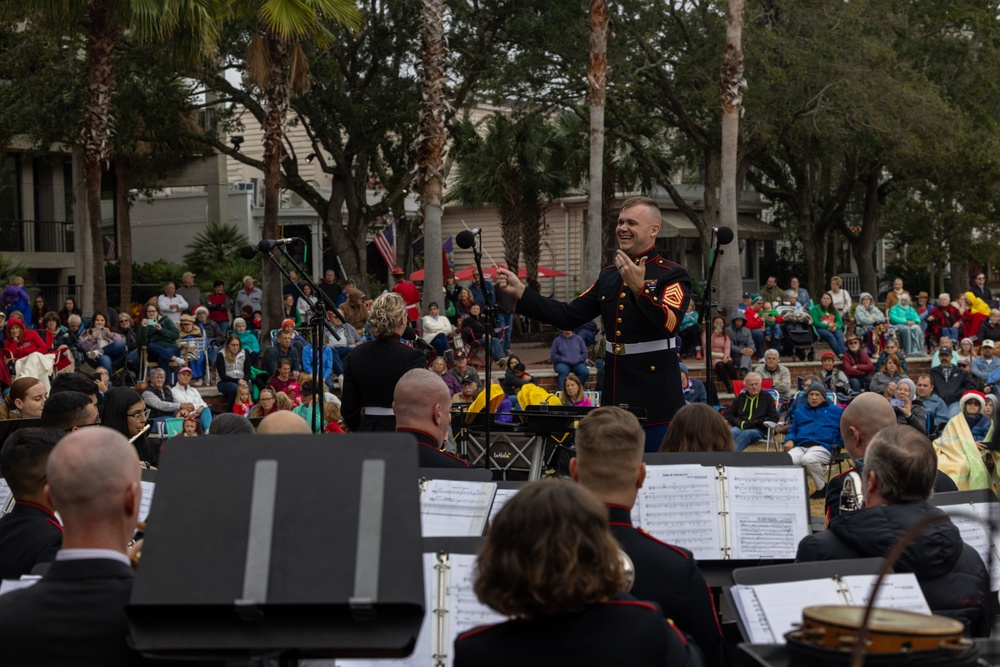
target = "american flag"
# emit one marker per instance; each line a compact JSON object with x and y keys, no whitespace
{"x":385,"y":242}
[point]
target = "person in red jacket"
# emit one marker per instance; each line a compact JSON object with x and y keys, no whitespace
{"x":410,"y":294}
{"x":755,"y":324}
{"x":21,"y":341}
{"x":858,"y":368}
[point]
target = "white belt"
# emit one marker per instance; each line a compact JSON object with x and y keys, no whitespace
{"x":640,"y":348}
{"x":374,"y":411}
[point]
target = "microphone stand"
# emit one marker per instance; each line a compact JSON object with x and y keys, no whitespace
{"x":706,"y":308}
{"x":490,"y":311}
{"x":316,"y":324}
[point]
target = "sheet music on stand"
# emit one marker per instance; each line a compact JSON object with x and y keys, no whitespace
{"x":452,"y":608}
{"x":499,"y":500}
{"x":148,"y":488}
{"x":6,"y":498}
{"x":976,"y":535}
{"x":450,"y":508}
{"x":769,"y":611}
{"x":724,"y":513}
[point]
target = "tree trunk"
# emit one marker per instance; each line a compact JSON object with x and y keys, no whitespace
{"x":863,"y":246}
{"x":124,"y":215}
{"x":532,"y":236}
{"x":597,"y":78}
{"x":511,"y":233}
{"x":95,"y":137}
{"x":609,"y":240}
{"x":730,"y":284}
{"x":711,"y":214}
{"x":274,"y":123}
{"x":431,"y":148}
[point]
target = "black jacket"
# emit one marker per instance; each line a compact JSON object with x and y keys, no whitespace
{"x":958,"y":383}
{"x":750,"y":412}
{"x":431,"y":456}
{"x":617,"y":632}
{"x":942,"y":484}
{"x":987,"y":330}
{"x":371,"y":372}
{"x":669,"y":576}
{"x":951,"y":574}
{"x":29,"y":535}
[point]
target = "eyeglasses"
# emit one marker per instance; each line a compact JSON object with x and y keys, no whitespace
{"x":141,"y":415}
{"x":268,"y":398}
{"x":96,"y":422}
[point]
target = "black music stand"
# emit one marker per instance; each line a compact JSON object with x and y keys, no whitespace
{"x":282,"y":546}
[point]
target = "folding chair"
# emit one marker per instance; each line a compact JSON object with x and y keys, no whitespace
{"x":194,"y":350}
{"x":168,"y":427}
{"x":594,"y":396}
{"x":475,"y":351}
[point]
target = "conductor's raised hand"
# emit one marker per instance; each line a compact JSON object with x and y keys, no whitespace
{"x":508,"y":281}
{"x":633,"y":274}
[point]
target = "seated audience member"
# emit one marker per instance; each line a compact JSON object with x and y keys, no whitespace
{"x":863,"y":418}
{"x":230,"y":424}
{"x":801,"y":294}
{"x":892,"y":347}
{"x":689,"y":332}
{"x":694,"y":390}
{"x":936,"y":409}
{"x":966,"y":352}
{"x":343,"y":346}
{"x":772,"y":325}
{"x":748,"y":412}
{"x":858,"y":367}
{"x":283,"y":422}
{"x":950,"y":382}
{"x":609,"y":448}
{"x":973,"y":405}
{"x":283,"y":349}
{"x":298,"y":340}
{"x":813,"y":434}
{"x":325,"y":364}
{"x":946,"y":342}
{"x":718,"y":347}
{"x":267,"y":403}
{"x":440,"y":368}
{"x":828,"y":323}
{"x":436,"y":328}
{"x":792,"y":301}
{"x":28,"y":351}
{"x":515,"y":377}
{"x":160,"y":399}
{"x":233,"y":368}
{"x":305,"y":408}
{"x":742,"y":346}
{"x":469,"y":392}
{"x":284,"y":382}
{"x":833,"y":379}
{"x":943,"y":319}
{"x":243,"y":403}
{"x":158,"y":334}
{"x":25,"y":400}
{"x":990,"y":328}
{"x":31,"y":533}
{"x":69,"y":411}
{"x":569,"y":355}
{"x":462,"y":369}
{"x":573,"y":393}
{"x":898,"y":478}
{"x":333,"y":418}
{"x":126,"y":412}
{"x":867,"y":314}
{"x":422,"y":403}
{"x":185,"y":393}
{"x":780,"y":376}
{"x":75,"y":382}
{"x":248,"y":339}
{"x":904,"y":317}
{"x":909,"y":409}
{"x":476,"y":323}
{"x":987,"y":364}
{"x":698,"y":428}
{"x":755,"y":323}
{"x":885,"y":380}
{"x":551,"y":564}
{"x":102,"y":345}
{"x":355,"y":311}
{"x":76,"y":614}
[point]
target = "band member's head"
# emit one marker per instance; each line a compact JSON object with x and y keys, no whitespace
{"x":638,"y":224}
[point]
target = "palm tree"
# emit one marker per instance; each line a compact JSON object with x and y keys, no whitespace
{"x":431,"y":140}
{"x":516,"y":166}
{"x":597,"y":80}
{"x":733,"y":85}
{"x":279,"y":68}
{"x":103,"y":23}
{"x":213,"y":246}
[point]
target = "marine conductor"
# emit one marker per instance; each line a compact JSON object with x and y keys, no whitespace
{"x":641,"y":299}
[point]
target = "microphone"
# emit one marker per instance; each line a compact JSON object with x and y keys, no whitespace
{"x":467,"y":238}
{"x":723,"y":234}
{"x":248,"y":251}
{"x":267,"y":245}
{"x":411,"y":335}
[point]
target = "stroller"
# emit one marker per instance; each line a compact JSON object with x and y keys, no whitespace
{"x":797,"y":335}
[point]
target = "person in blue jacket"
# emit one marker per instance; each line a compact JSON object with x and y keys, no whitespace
{"x":814,"y":432}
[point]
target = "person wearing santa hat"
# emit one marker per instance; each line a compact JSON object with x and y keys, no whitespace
{"x":973,"y":404}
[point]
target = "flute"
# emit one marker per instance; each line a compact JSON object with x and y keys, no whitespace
{"x":139,"y":434}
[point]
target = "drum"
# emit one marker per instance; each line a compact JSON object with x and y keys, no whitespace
{"x":829,"y":633}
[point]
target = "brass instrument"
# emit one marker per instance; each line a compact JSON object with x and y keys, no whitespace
{"x":629,"y":567}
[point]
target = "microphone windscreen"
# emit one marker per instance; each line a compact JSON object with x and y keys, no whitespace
{"x":465,"y":239}
{"x":409,"y":333}
{"x":725,"y":235}
{"x":248,"y":252}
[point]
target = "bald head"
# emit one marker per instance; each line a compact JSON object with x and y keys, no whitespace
{"x":862,"y":419}
{"x":283,"y":422}
{"x":93,"y":482}
{"x":422,"y":401}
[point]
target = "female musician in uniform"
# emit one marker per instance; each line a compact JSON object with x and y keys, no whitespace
{"x":551,"y":563}
{"x":126,"y":412}
{"x":373,"y":369}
